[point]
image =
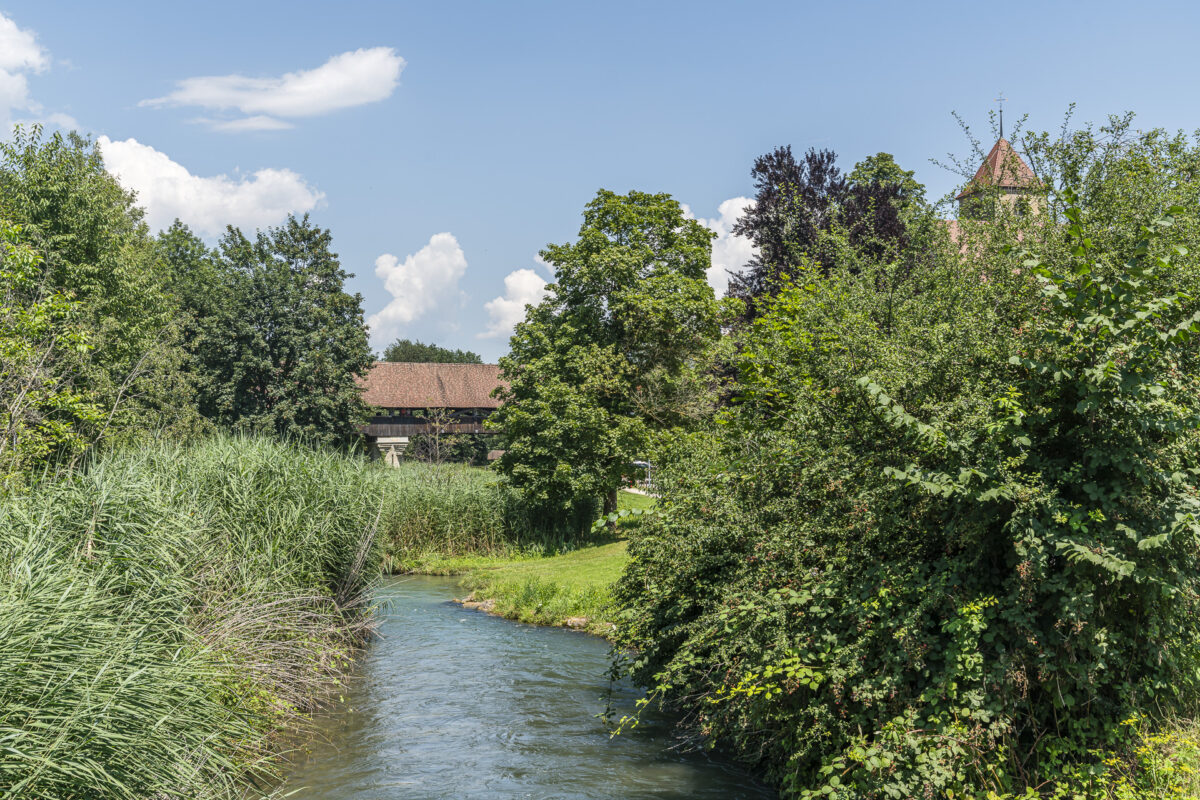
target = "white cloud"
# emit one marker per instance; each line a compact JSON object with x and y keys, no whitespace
{"x":259,"y":122}
{"x":522,"y":287}
{"x":418,"y":284}
{"x":19,"y":49}
{"x":20,"y":54}
{"x":167,"y":190}
{"x":729,"y":252}
{"x":351,"y":79}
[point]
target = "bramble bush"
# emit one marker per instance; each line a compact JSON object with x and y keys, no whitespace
{"x":944,"y":543}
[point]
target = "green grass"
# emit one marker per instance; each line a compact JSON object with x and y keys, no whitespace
{"x":540,"y":584}
{"x":551,"y":590}
{"x":632,"y":500}
{"x":445,"y":519}
{"x":167,"y":612}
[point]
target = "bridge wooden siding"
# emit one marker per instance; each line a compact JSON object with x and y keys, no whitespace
{"x":378,"y":429}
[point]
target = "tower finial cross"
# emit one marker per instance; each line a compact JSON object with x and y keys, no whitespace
{"x":1000,"y":100}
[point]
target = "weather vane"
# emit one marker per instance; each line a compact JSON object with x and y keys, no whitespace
{"x":1000,"y":100}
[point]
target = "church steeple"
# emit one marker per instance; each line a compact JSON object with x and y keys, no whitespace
{"x":1002,"y":171}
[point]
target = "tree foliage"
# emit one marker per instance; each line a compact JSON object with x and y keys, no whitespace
{"x":276,"y":342}
{"x":96,"y":250}
{"x":799,"y":202}
{"x":410,"y":351}
{"x":601,"y":362}
{"x":944,"y":542}
{"x":42,"y":413}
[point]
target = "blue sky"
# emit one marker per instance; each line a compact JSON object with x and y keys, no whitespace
{"x":445,"y":144}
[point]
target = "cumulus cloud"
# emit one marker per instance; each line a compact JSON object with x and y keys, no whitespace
{"x":166,"y":189}
{"x":729,"y":252}
{"x":522,"y":287}
{"x":350,"y":79}
{"x":20,"y":54}
{"x":19,"y":49}
{"x":417,"y":284}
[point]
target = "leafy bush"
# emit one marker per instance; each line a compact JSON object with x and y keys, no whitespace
{"x":944,"y":542}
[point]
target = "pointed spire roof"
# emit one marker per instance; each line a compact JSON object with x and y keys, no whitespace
{"x":1003,"y":168}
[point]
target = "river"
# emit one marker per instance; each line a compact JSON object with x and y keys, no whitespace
{"x":453,"y":703}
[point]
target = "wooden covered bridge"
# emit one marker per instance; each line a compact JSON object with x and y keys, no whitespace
{"x":409,"y":399}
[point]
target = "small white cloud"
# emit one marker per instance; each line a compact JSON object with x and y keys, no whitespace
{"x":20,"y":54}
{"x":418,"y":284}
{"x":19,"y":49}
{"x":344,"y":81}
{"x":521,"y":288}
{"x":167,"y":190}
{"x":729,"y":251}
{"x":259,"y":122}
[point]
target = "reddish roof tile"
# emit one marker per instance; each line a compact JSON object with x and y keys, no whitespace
{"x":1003,"y":168}
{"x":405,"y":385}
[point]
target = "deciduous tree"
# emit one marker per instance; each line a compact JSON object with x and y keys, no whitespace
{"x":630,"y":308}
{"x":410,"y":351}
{"x":279,"y":342}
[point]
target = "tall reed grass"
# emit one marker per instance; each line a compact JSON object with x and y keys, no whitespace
{"x":166,"y":612}
{"x":454,"y":510}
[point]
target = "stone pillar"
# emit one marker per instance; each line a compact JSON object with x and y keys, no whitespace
{"x":391,"y":448}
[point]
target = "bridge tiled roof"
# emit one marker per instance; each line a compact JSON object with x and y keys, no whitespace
{"x":406,"y":385}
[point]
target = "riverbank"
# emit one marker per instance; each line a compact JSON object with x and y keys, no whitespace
{"x":170,"y":613}
{"x":570,"y":589}
{"x":173,"y":615}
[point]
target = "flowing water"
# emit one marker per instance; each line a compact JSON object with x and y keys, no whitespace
{"x":453,"y":703}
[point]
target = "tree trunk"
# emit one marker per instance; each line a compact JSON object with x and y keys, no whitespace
{"x":610,"y":502}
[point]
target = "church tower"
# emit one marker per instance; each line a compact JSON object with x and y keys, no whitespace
{"x":1004,"y":177}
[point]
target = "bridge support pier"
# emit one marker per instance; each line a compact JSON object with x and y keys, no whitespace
{"x":391,"y":449}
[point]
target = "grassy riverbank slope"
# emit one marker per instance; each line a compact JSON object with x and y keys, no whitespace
{"x":571,"y":588}
{"x":168,"y":613}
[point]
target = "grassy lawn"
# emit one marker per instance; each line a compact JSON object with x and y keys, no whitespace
{"x":632,"y":500}
{"x":544,"y":590}
{"x":550,"y":591}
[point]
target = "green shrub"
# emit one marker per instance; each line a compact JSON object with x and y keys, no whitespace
{"x":943,"y":543}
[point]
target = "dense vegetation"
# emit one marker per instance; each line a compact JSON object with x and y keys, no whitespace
{"x":943,"y":541}
{"x":166,"y":610}
{"x":416,"y":351}
{"x":607,"y":359}
{"x":928,"y":515}
{"x":108,"y":333}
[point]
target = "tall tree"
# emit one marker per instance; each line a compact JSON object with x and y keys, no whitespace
{"x":98,"y":251}
{"x":627,"y":315}
{"x":41,"y":413}
{"x":882,"y":169}
{"x":279,"y":342}
{"x":410,"y":351}
{"x":797,"y":204}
